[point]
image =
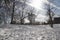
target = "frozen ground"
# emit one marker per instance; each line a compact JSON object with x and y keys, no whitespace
{"x":57,"y":29}
{"x":27,"y":32}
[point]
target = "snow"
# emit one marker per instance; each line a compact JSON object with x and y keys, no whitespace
{"x":26,"y":32}
{"x":57,"y":29}
{"x":26,"y":20}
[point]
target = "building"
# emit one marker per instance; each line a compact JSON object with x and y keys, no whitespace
{"x":57,"y":20}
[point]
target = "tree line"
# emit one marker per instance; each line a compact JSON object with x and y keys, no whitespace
{"x":11,"y":4}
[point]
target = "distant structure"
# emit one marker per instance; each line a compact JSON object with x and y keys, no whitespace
{"x":31,"y":18}
{"x":56,"y":20}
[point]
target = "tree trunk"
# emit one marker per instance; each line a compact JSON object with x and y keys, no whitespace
{"x":12,"y":15}
{"x":51,"y":22}
{"x":22,"y":20}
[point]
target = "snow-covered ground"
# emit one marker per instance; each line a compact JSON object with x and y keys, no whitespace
{"x":57,"y":29}
{"x":27,"y":32}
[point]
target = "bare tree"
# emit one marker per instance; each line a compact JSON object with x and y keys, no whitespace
{"x":3,"y":9}
{"x":22,"y":16}
{"x":12,"y":15}
{"x":31,"y":16}
{"x":50,"y":18}
{"x":51,"y":14}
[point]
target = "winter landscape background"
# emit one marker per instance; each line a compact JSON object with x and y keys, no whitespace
{"x":29,"y":19}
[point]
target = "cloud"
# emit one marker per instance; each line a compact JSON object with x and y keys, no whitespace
{"x":54,"y":6}
{"x":39,"y":5}
{"x":41,"y":18}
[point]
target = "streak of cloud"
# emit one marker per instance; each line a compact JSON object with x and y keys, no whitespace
{"x":54,"y":6}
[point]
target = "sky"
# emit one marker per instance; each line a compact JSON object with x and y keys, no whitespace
{"x":41,"y":8}
{"x":39,"y":4}
{"x":56,"y":4}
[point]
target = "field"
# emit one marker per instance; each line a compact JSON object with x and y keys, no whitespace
{"x":27,"y":32}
